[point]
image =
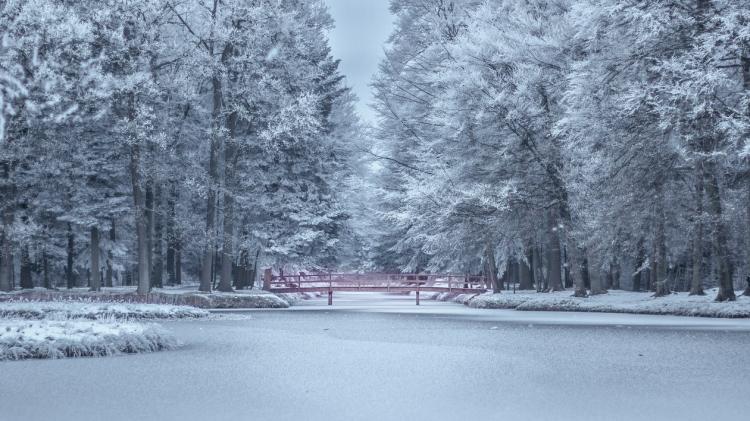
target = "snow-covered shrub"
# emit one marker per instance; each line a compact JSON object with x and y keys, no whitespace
{"x":59,"y":339}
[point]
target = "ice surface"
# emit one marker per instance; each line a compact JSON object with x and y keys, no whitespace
{"x":382,"y":358}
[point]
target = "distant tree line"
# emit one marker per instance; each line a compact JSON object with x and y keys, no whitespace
{"x":142,"y":140}
{"x":585,"y":144}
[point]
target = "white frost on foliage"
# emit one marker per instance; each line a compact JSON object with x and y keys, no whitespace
{"x":612,"y":302}
{"x":59,"y":339}
{"x":62,"y":310}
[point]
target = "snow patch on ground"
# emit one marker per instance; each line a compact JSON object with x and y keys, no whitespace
{"x":22,"y":339}
{"x":62,"y":310}
{"x":678,"y":304}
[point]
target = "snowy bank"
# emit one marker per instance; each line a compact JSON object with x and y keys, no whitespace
{"x":59,"y":339}
{"x":178,"y":297}
{"x":678,"y":304}
{"x":63,"y":310}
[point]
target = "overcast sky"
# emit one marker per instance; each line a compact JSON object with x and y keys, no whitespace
{"x":362,"y":27}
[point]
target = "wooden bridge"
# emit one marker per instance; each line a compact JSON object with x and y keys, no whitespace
{"x":374,"y":282}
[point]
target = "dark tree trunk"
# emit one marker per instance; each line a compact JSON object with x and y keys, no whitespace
{"x":110,"y":256}
{"x":157,"y":217}
{"x":26,"y":282}
{"x":96,"y":282}
{"x":585,"y":275}
{"x":149,"y":215}
{"x":69,"y":275}
{"x":7,"y":204}
{"x":661,"y":286}
{"x":490,"y":267}
{"x":230,"y":162}
{"x":536,"y":266}
{"x":141,"y":222}
{"x":525,"y":275}
{"x":696,"y":286}
{"x":554,"y":269}
{"x":45,"y":270}
{"x":720,"y":237}
{"x":178,"y":263}
{"x":207,"y":271}
{"x":171,"y":235}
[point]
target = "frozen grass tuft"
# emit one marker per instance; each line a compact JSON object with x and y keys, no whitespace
{"x":64,"y":310}
{"x":21,"y":339}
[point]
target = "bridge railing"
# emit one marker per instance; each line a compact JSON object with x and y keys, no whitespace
{"x":445,"y":282}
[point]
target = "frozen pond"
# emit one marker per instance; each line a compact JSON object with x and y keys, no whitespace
{"x":390,"y":360}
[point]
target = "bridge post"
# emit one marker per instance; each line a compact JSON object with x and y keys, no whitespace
{"x":417,"y":291}
{"x":267,"y":278}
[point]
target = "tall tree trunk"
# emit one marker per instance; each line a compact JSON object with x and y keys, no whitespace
{"x":661,"y":285}
{"x":490,"y":265}
{"x":720,"y":237}
{"x":178,"y":263}
{"x":595,"y":279}
{"x":171,"y":234}
{"x":578,"y":284}
{"x":747,"y":276}
{"x":110,"y":256}
{"x":45,"y":270}
{"x":640,"y":259}
{"x":207,"y":267}
{"x":141,"y":222}
{"x":745,"y":60}
{"x":149,"y":215}
{"x":585,"y":268}
{"x":696,"y":286}
{"x":158,"y":263}
{"x":96,"y":282}
{"x":615,"y":269}
{"x":6,"y":247}
{"x":230,"y":163}
{"x":69,"y":275}
{"x":26,"y":282}
{"x":525,"y":274}
{"x":536,"y":268}
{"x":554,"y":253}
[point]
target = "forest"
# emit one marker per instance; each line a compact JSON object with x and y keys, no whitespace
{"x":547,"y":144}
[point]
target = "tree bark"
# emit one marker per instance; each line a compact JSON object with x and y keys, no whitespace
{"x":96,"y":282}
{"x":745,"y":61}
{"x":747,"y":276}
{"x":578,"y":284}
{"x":158,"y":263}
{"x":661,"y":285}
{"x":490,"y":265}
{"x":141,"y":223}
{"x":26,"y":281}
{"x":696,"y":286}
{"x":720,"y":237}
{"x":213,"y":180}
{"x":595,"y":280}
{"x":554,"y":253}
{"x":69,"y":275}
{"x":6,"y":247}
{"x":149,"y":215}
{"x":110,"y":256}
{"x":525,"y":274}
{"x":45,"y":270}
{"x":230,"y":164}
{"x":171,"y":234}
